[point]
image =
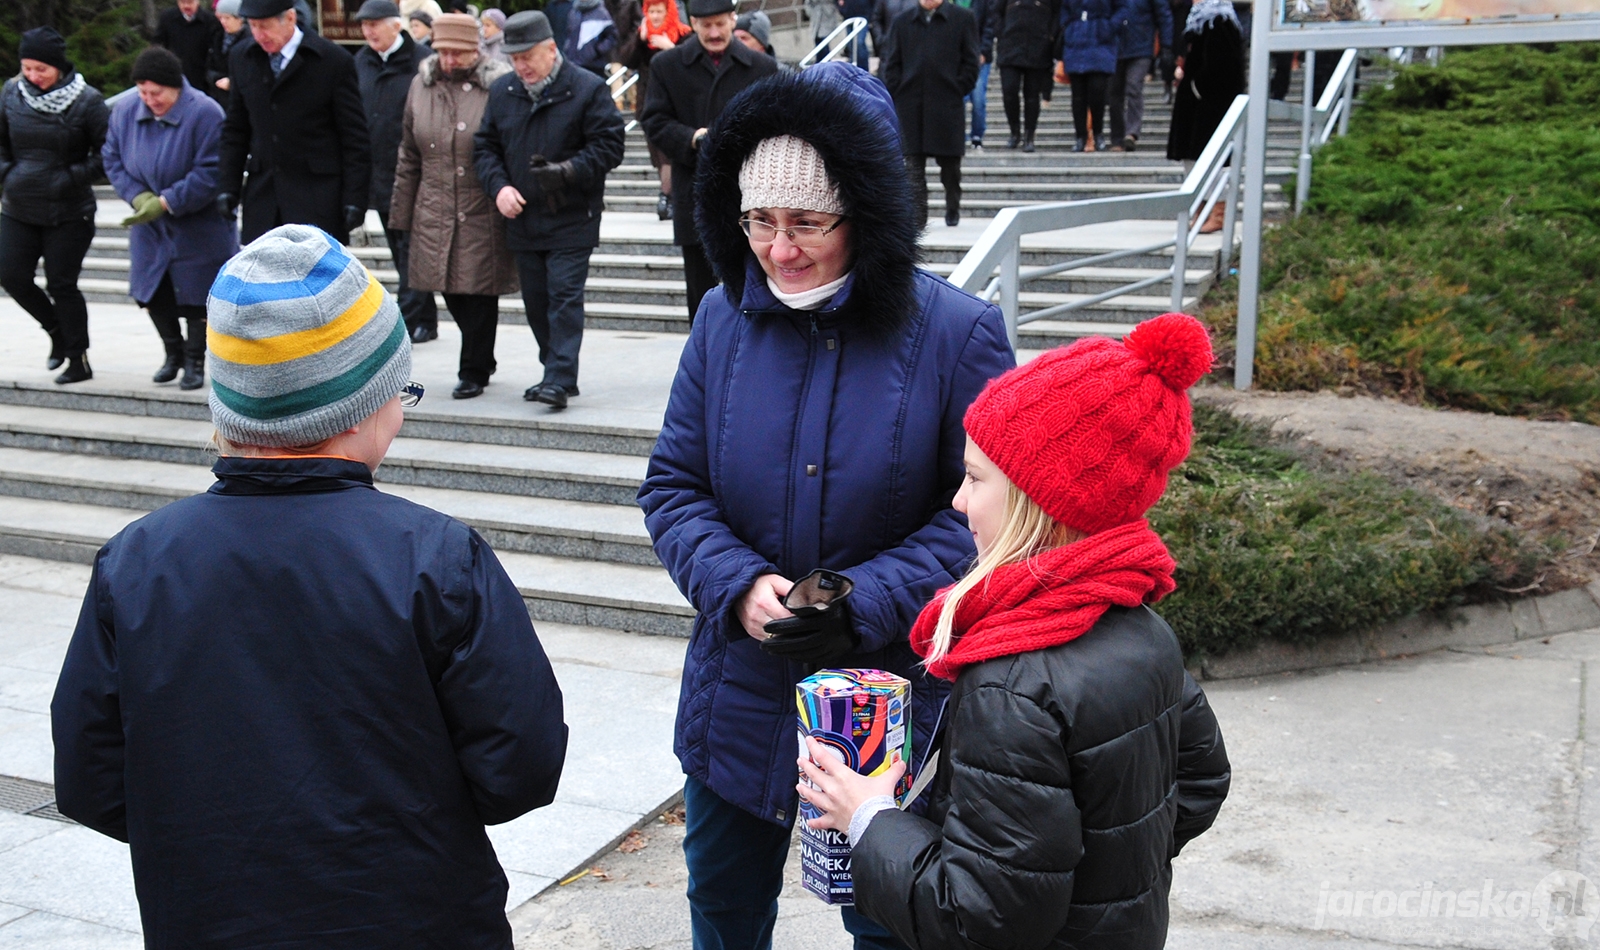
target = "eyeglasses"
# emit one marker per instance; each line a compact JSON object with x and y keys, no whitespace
{"x":801,"y":235}
{"x":410,"y":395}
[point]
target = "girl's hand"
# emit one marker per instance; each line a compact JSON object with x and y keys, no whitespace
{"x":660,"y":41}
{"x":838,"y":790}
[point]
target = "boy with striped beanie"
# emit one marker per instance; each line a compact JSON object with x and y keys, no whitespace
{"x":298,"y":699}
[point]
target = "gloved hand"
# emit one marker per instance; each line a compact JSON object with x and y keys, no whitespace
{"x":553,"y":179}
{"x":227,"y":204}
{"x":354,"y":217}
{"x":146,"y":208}
{"x":821,"y":630}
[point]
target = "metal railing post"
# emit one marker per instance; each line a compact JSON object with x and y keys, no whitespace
{"x":1349,"y":95}
{"x":1231,"y":216}
{"x":1180,"y":256}
{"x":1302,"y":178}
{"x":1010,"y":274}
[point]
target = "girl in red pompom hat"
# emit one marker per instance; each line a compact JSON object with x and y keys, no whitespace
{"x":1075,"y":756}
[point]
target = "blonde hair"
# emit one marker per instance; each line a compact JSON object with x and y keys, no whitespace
{"x":1028,"y":531}
{"x":221,"y":445}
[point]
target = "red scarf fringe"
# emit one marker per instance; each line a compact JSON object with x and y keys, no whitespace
{"x":1051,"y":598}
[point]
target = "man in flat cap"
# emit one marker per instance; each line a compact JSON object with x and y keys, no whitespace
{"x":295,"y":124}
{"x":549,"y":136}
{"x":689,"y":86}
{"x":385,"y":68}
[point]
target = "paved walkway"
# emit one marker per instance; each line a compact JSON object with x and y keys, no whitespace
{"x":64,"y":886}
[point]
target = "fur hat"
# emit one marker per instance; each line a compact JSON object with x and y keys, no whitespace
{"x":302,"y":341}
{"x":455,"y":31}
{"x":1090,"y":431}
{"x":846,"y":115}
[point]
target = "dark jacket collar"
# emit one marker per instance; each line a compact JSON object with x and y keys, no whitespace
{"x":242,"y":475}
{"x":401,"y":60}
{"x":736,"y":50}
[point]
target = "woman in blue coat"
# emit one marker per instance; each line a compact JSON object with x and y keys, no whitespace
{"x":1089,"y":31}
{"x":161,"y":156}
{"x":815,"y":422}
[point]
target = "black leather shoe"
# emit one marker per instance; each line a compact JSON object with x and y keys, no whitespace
{"x":76,"y":372}
{"x":571,"y":391}
{"x":1080,"y":145}
{"x":1027,"y":144}
{"x":664,"y":207}
{"x":194,"y":373}
{"x":466,"y":389}
{"x":952,"y":218}
{"x":1014,"y":141}
{"x":422,"y":334}
{"x":1130,"y":144}
{"x":170,"y":369}
{"x":1102,"y":143}
{"x":548,"y":393}
{"x":56,"y":356}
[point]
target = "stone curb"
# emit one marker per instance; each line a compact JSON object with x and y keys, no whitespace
{"x":1477,"y":625}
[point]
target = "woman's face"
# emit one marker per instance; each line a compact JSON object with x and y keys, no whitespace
{"x":42,"y":75}
{"x":656,"y":13}
{"x":982,"y":497}
{"x":157,"y":98}
{"x":794,"y":268}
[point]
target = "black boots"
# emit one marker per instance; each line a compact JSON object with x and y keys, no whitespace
{"x":77,"y":370}
{"x":1080,"y":145}
{"x":56,"y":356}
{"x":1014,"y":141}
{"x":1102,"y":143}
{"x":169,"y":370}
{"x":664,"y":206}
{"x":1027,"y":143}
{"x":194,"y":372}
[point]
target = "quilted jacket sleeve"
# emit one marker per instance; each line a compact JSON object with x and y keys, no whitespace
{"x":86,"y":719}
{"x":707,"y":561}
{"x":1203,"y":770}
{"x":892,"y":588}
{"x":999,"y":873}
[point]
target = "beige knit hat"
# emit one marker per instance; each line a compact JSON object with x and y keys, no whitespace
{"x":786,"y":172}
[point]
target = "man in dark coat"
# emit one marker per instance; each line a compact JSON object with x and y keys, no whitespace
{"x":190,"y":31}
{"x":549,"y":136}
{"x":385,"y":68}
{"x":294,"y":123}
{"x":299,"y":699}
{"x":690,"y":85}
{"x":932,"y":65}
{"x":1143,"y":23}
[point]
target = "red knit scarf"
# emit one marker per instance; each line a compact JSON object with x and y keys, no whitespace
{"x":1051,"y":598}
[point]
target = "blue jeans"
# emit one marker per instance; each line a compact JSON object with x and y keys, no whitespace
{"x":858,"y":50}
{"x":735,"y":873}
{"x":979,"y":97}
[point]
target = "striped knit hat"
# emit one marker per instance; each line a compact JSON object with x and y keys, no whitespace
{"x":302,"y":342}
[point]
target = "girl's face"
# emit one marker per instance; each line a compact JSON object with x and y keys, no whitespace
{"x":982,"y":497}
{"x":656,"y":13}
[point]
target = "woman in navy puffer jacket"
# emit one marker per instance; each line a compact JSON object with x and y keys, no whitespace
{"x":1089,"y":31}
{"x":815,"y":422}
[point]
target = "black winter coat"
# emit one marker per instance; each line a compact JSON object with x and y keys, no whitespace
{"x":687,"y":93}
{"x":575,"y":118}
{"x":302,"y":137}
{"x":1068,"y":779}
{"x":49,"y":163}
{"x":1027,"y":32}
{"x":191,"y":41}
{"x":299,"y":700}
{"x":884,"y":13}
{"x":384,"y":85}
{"x":1213,"y":74}
{"x":932,"y":65}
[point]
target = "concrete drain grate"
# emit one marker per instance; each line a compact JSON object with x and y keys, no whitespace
{"x":35,"y":799}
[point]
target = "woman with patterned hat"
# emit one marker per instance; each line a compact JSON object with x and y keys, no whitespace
{"x":52,"y":124}
{"x":1076,"y":757}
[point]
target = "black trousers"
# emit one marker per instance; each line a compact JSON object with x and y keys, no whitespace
{"x":478,"y":317}
{"x":165,"y":312}
{"x":552,"y":293}
{"x":698,"y":275}
{"x":949,"y":177}
{"x":416,"y":306}
{"x":1030,"y":84}
{"x":1089,"y":99}
{"x":59,"y":307}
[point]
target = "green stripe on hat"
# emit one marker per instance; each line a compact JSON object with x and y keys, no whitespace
{"x":325,"y":393}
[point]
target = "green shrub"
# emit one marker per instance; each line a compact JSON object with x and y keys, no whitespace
{"x":1270,"y":548}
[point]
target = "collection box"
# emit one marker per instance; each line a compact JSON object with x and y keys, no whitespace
{"x":863,"y":717}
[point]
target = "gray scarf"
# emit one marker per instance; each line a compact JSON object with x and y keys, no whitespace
{"x":1203,"y":13}
{"x":536,"y":89}
{"x":57,"y":100}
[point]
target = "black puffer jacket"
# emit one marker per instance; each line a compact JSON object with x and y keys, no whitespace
{"x":1068,"y":779}
{"x":49,"y":163}
{"x":1027,"y":32}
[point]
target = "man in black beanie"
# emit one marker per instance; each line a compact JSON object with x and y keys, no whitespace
{"x":190,"y":30}
{"x":295,"y":117}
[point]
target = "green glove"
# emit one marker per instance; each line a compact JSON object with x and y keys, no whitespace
{"x":146,"y":208}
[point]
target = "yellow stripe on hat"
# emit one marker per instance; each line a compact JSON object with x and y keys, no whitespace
{"x":292,"y":346}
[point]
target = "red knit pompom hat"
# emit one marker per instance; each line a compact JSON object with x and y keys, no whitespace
{"x":1089,"y":432}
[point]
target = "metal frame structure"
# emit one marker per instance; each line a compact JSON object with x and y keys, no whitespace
{"x":1267,"y":37}
{"x":845,"y":32}
{"x":1215,"y":178}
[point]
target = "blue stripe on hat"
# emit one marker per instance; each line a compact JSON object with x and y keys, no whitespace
{"x":242,"y":293}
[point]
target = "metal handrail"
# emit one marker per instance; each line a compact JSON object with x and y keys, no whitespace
{"x":1215,"y":178}
{"x":849,"y":30}
{"x":1331,"y":111}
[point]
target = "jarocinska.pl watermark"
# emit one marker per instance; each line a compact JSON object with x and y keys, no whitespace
{"x":1564,"y":902}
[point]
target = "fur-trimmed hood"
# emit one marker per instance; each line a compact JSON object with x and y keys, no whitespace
{"x":486,"y":72}
{"x":848,"y":117}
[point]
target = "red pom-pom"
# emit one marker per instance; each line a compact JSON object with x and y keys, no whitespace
{"x":1176,"y":347}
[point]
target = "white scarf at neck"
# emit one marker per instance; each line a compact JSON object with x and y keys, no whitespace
{"x":807,"y":299}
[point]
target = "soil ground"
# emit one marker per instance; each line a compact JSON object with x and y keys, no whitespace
{"x":1540,"y":477}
